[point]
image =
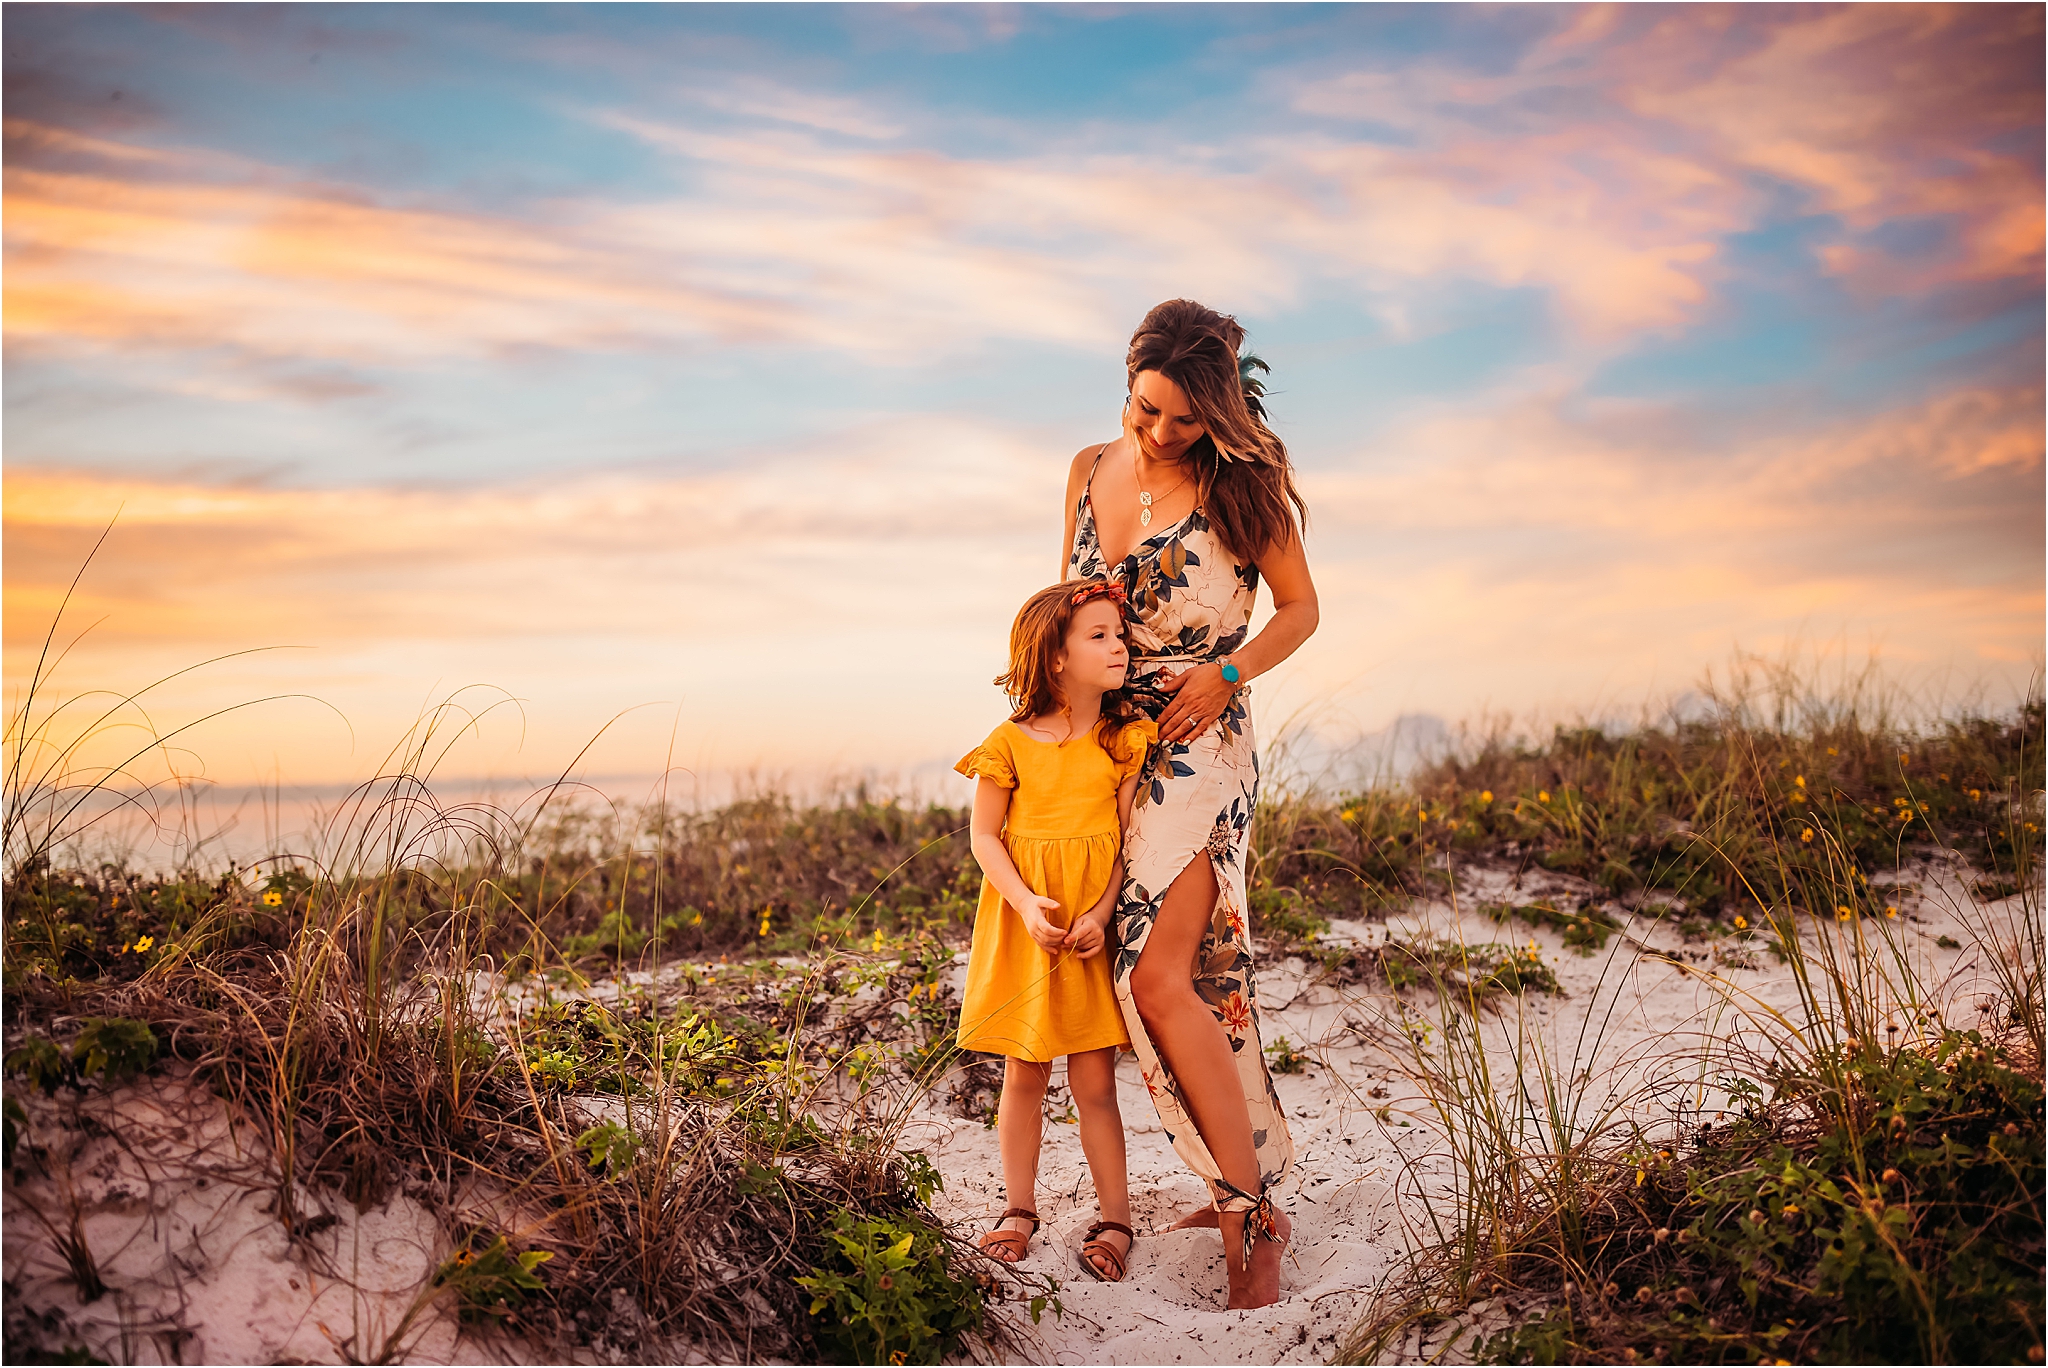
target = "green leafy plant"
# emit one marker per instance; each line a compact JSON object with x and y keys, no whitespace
{"x":493,"y":1282}
{"x":889,"y":1295}
{"x":39,"y":1061}
{"x":610,"y":1146}
{"x":113,"y":1048}
{"x":1285,"y":1058}
{"x":921,"y":1176}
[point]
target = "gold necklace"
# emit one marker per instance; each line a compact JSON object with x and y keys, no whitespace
{"x":1145,"y":500}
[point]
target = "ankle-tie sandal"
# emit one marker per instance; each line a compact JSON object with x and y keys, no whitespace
{"x":1093,"y":1243}
{"x":1017,"y":1240}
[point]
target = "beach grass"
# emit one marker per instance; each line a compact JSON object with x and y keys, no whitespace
{"x":652,"y":1068}
{"x":1866,"y":1183}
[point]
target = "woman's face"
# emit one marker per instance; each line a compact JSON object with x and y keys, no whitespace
{"x":1159,"y":417}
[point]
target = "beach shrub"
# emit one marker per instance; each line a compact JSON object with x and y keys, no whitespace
{"x":610,"y":1147}
{"x":113,"y":1048}
{"x":1283,"y":1058}
{"x":1897,"y":1219}
{"x":491,"y":1282}
{"x":40,"y":1062}
{"x":889,"y":1294}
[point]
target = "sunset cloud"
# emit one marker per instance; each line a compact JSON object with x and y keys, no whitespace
{"x":1617,"y":209}
{"x":682,"y":355}
{"x":1478,"y":554}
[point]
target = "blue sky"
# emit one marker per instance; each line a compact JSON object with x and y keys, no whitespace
{"x":624,"y":354}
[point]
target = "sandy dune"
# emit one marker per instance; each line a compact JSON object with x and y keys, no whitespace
{"x":198,"y":1268}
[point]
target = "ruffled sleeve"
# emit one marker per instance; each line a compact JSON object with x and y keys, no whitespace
{"x":991,"y":760}
{"x":1131,"y":745}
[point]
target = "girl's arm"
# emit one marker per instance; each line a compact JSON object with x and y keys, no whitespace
{"x":991,"y":806}
{"x":1090,"y":933}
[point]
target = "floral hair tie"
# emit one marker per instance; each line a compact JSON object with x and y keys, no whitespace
{"x":1103,"y":589}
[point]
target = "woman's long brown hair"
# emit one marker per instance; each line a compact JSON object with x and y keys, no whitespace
{"x":1035,"y":639}
{"x":1245,"y":480}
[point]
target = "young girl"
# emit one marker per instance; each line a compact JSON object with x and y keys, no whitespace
{"x":1055,"y":787}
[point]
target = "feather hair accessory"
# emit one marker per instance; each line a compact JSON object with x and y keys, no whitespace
{"x":1254,"y":400}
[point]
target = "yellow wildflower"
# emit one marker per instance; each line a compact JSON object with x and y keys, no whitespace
{"x":1741,"y":922}
{"x":766,"y":913}
{"x":142,"y":946}
{"x":1350,"y":814}
{"x":1833,"y":751}
{"x":1806,"y":834}
{"x":1844,"y":913}
{"x":1542,"y":795}
{"x":1892,"y":912}
{"x":1486,"y":796}
{"x":1799,"y":779}
{"x":272,"y":898}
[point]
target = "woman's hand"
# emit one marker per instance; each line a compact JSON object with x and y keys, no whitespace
{"x":1200,"y":694}
{"x":1089,"y":936}
{"x":1036,"y":911}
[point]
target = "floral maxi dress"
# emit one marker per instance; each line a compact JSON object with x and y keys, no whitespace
{"x":1192,"y":603}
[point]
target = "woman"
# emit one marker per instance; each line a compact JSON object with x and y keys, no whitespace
{"x":1189,"y":509}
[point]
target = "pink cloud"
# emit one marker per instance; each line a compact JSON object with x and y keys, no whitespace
{"x":1878,"y":113}
{"x":890,"y":253}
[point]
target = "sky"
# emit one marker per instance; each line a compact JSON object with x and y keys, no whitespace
{"x":703,"y":379}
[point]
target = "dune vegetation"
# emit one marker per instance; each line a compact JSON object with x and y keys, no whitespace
{"x":648,"y":1068}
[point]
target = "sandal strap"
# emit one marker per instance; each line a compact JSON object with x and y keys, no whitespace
{"x":1013,"y":1212}
{"x":1118,"y":1226}
{"x":1108,"y":1251}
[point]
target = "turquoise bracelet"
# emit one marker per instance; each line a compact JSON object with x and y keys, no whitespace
{"x":1230,"y":672}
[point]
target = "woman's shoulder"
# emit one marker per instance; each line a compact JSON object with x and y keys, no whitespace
{"x":1084,"y":462}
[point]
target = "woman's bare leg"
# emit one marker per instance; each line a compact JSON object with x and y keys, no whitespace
{"x":1194,"y":1047}
{"x":1091,"y":1077}
{"x":1020,"y":1124}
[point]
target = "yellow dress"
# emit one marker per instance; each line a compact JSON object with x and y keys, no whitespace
{"x":1062,"y":833}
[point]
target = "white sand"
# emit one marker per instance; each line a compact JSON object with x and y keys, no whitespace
{"x":175,"y":1206}
{"x":1359,"y":1170}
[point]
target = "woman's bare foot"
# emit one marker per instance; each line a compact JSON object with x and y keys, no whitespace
{"x":1258,"y":1285}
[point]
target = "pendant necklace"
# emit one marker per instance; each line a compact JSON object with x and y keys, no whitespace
{"x":1144,"y":494}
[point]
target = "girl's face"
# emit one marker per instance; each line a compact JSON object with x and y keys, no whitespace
{"x":1092,"y":660}
{"x":1159,"y":417}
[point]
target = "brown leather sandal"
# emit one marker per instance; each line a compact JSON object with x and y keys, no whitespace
{"x":1018,"y":1241}
{"x":1092,"y":1243}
